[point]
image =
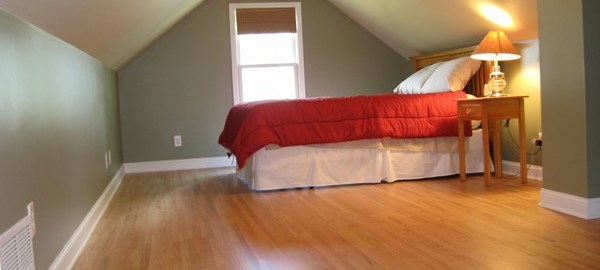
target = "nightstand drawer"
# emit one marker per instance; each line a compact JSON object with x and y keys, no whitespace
{"x":470,"y":110}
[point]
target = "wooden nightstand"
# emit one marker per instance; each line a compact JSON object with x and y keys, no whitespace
{"x":490,"y":110}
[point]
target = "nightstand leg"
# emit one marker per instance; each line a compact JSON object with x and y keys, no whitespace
{"x":523,"y":158}
{"x":497,"y":149}
{"x":461,"y":150}
{"x":486,"y":149}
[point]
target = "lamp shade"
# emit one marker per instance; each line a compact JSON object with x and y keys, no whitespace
{"x":495,"y":46}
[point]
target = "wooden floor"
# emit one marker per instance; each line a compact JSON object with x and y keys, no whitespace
{"x":206,"y":219}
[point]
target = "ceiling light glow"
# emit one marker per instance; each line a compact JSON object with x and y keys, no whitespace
{"x":496,"y":15}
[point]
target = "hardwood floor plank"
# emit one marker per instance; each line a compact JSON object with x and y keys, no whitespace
{"x":207,"y":219}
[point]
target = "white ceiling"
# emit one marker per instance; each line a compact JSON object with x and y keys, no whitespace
{"x":115,"y":31}
{"x":417,"y":26}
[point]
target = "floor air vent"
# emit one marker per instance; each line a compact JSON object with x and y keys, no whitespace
{"x":17,"y":247}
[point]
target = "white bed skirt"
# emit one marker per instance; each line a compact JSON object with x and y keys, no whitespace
{"x":364,"y":161}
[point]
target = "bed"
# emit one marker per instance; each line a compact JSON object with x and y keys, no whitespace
{"x":362,"y":149}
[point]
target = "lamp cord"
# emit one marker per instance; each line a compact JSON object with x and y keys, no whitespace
{"x":517,"y":144}
{"x":519,"y":147}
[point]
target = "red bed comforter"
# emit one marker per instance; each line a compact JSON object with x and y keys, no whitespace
{"x":251,"y":126}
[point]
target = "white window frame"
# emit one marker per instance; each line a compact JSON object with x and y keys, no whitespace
{"x":235,"y":58}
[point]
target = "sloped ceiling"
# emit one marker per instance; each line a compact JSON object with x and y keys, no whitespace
{"x":115,"y":31}
{"x":417,"y":26}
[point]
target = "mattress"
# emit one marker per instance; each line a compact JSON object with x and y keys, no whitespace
{"x":253,"y":125}
{"x":360,"y":161}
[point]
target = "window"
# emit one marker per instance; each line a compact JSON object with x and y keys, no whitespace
{"x":266,"y":51}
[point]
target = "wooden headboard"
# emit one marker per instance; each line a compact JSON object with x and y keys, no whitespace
{"x":477,"y":82}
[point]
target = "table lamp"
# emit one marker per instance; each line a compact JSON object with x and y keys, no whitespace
{"x":495,"y":46}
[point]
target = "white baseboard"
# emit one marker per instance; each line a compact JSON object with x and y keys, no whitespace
{"x":570,"y":204}
{"x":179,"y":164}
{"x":511,"y":167}
{"x":68,"y":255}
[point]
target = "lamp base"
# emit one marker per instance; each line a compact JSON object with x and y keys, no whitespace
{"x":497,"y":94}
{"x":497,"y":82}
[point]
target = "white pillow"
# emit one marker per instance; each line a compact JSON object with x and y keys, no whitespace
{"x":451,"y":75}
{"x":414,"y":83}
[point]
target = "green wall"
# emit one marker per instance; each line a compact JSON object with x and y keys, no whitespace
{"x":58,"y":116}
{"x":569,"y":94}
{"x":182,"y":83}
{"x":591,"y":45}
{"x":523,"y":78}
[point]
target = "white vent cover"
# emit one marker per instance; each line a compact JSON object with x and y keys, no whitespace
{"x":16,"y":246}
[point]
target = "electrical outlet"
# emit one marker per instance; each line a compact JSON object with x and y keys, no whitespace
{"x":106,"y":160}
{"x":177,"y":141}
{"x":537,"y":141}
{"x":109,"y":158}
